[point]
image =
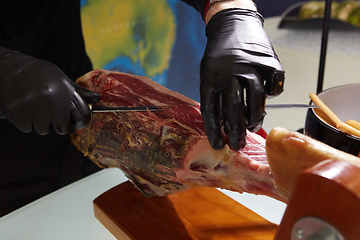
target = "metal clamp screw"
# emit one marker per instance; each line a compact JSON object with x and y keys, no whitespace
{"x":312,"y":228}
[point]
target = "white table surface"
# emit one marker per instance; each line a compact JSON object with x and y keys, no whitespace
{"x":68,"y":212}
{"x":301,"y":73}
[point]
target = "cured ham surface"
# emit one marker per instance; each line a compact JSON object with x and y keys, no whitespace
{"x":289,"y":153}
{"x":166,"y":151}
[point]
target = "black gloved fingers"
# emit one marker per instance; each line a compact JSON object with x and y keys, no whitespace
{"x":80,"y":114}
{"x":210,"y":110}
{"x":22,"y":120}
{"x":233,"y":113}
{"x":61,"y":121}
{"x":36,"y":94}
{"x":89,"y":96}
{"x":80,"y":111}
{"x":255,"y":99}
{"x":41,"y":121}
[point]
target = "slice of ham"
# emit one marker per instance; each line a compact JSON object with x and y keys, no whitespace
{"x":167,"y":151}
{"x":289,"y":153}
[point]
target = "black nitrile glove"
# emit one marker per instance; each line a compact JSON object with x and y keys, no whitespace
{"x":36,"y":94}
{"x":239,"y":63}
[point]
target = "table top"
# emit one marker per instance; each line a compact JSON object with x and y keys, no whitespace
{"x":68,"y":213}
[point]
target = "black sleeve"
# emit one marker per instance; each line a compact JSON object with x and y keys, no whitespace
{"x":197,"y":4}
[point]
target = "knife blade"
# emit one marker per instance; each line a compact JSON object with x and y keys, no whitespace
{"x":289,"y":105}
{"x":101,"y":109}
{"x":97,"y":109}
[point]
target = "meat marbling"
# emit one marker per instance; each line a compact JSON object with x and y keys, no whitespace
{"x":167,"y":151}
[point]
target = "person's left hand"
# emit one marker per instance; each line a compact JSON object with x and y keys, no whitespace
{"x":36,"y":95}
{"x":238,"y":71}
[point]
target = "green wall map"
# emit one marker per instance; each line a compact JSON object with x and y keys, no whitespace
{"x":161,"y":39}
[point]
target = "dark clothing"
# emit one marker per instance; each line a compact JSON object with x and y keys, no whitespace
{"x":49,"y":30}
{"x":197,"y":4}
{"x":33,"y":165}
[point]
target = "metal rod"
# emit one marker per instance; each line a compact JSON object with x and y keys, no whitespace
{"x":324,"y":42}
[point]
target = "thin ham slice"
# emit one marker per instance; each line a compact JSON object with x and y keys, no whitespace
{"x":167,"y":151}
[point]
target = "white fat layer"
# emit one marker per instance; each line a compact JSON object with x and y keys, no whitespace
{"x":226,"y":168}
{"x":203,"y":155}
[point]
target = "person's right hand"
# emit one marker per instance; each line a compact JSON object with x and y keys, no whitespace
{"x":36,"y":95}
{"x":238,"y":71}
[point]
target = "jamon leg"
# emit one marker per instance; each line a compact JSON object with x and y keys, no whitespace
{"x":167,"y":151}
{"x":289,"y":153}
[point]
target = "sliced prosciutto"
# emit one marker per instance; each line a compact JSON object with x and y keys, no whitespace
{"x":166,"y":151}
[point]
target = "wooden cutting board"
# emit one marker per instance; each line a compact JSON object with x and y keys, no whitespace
{"x":203,"y":213}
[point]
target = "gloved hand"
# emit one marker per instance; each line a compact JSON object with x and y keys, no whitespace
{"x":238,"y":71}
{"x":36,"y":94}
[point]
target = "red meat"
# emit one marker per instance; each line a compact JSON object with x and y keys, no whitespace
{"x":167,"y":151}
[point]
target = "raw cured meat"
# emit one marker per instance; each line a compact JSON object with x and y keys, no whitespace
{"x":167,"y":151}
{"x":289,"y":153}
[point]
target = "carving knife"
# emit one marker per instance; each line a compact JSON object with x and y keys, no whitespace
{"x":99,"y":109}
{"x":287,"y":105}
{"x":96,"y":109}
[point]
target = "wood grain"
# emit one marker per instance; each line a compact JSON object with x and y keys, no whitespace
{"x":353,"y":123}
{"x":331,"y":118}
{"x":329,"y":191}
{"x":335,"y":119}
{"x":202,"y":213}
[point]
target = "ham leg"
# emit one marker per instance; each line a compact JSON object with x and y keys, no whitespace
{"x":168,"y":151}
{"x":289,"y":153}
